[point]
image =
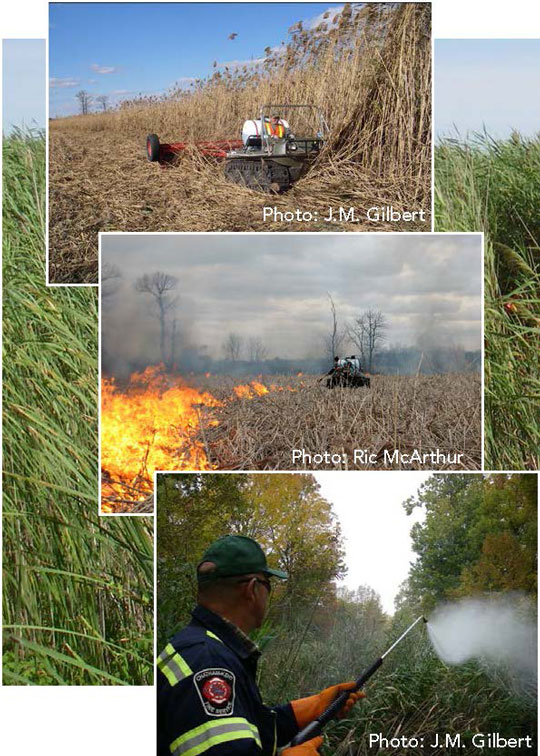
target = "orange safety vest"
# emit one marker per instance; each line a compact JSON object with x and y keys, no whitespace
{"x":277,"y":130}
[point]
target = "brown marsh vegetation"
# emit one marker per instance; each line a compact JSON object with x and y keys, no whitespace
{"x":256,"y":425}
{"x":369,"y":72}
{"x":424,"y":413}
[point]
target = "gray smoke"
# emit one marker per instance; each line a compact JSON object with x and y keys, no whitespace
{"x":499,"y":631}
{"x":277,"y":293}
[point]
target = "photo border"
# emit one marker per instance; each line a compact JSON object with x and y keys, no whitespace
{"x":383,"y":235}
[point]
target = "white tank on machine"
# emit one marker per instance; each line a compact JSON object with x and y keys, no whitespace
{"x":253,"y":128}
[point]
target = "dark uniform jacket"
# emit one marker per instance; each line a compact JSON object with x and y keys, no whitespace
{"x":208,"y":700}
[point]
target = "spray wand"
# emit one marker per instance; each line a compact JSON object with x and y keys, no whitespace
{"x":315,"y":728}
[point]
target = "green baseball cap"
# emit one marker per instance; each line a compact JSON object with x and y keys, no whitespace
{"x":236,"y":555}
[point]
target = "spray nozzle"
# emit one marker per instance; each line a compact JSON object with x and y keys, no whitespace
{"x":425,"y":619}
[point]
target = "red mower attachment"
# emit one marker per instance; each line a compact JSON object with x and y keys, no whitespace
{"x":167,"y":153}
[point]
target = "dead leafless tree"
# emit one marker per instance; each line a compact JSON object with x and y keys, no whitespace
{"x":103,"y":100}
{"x":173,"y":342}
{"x":233,"y":347}
{"x":336,"y":336}
{"x":110,"y":281}
{"x":257,"y":352}
{"x":84,"y":101}
{"x":160,"y":287}
{"x":368,"y":332}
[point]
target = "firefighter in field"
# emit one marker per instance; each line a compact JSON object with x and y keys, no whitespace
{"x":208,"y":700}
{"x":334,"y":371}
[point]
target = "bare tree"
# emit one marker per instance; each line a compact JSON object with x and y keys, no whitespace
{"x":173,"y":342}
{"x":336,"y":336}
{"x":84,"y":101}
{"x":159,"y":286}
{"x":256,"y":350}
{"x":103,"y":101}
{"x":368,"y":332}
{"x":233,"y":347}
{"x":109,"y":281}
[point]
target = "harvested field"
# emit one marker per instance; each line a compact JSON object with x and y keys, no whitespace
{"x":369,"y":72}
{"x":257,"y":424}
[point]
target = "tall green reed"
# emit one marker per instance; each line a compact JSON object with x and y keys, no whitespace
{"x":485,"y":184}
{"x":77,"y":590}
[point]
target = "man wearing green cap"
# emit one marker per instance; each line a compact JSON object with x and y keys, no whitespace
{"x":208,"y":700}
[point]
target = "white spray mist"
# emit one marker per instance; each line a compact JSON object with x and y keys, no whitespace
{"x":499,"y":631}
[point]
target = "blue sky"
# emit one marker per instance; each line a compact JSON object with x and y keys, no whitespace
{"x":485,"y":82}
{"x":122,"y":49}
{"x":23,"y":81}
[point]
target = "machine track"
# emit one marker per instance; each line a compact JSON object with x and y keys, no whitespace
{"x":260,"y":175}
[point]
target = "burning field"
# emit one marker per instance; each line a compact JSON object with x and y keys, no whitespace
{"x":159,"y":421}
{"x":368,"y":70}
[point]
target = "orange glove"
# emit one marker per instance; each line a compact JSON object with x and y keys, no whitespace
{"x":308,"y":709}
{"x":309,"y":748}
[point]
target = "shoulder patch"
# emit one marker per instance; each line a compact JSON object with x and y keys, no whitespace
{"x":215,"y":687}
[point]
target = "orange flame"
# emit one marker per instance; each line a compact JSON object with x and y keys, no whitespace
{"x":275,"y":387}
{"x":249,"y":391}
{"x":152,"y":425}
{"x":243,"y":392}
{"x":155,"y":424}
{"x":259,"y":388}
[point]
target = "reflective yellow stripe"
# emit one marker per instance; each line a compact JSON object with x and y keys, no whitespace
{"x":279,"y":131}
{"x":172,"y":665}
{"x":213,"y":635}
{"x":209,"y":734}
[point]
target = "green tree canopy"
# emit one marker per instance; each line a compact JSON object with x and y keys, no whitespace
{"x":479,"y":535}
{"x":285,"y":513}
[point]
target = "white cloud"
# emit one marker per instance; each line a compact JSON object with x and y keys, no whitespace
{"x":103,"y":69}
{"x":68,"y":81}
{"x":251,"y":63}
{"x":307,"y":24}
{"x":332,"y":11}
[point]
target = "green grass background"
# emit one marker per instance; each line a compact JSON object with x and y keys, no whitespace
{"x":490,"y":185}
{"x":77,"y":588}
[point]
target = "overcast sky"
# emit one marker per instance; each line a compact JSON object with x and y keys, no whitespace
{"x":375,"y":527}
{"x":275,"y":286}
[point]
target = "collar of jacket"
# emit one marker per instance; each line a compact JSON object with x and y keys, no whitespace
{"x":226,"y":631}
